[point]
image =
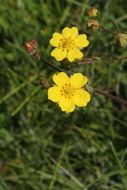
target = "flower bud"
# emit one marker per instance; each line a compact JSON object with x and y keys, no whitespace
{"x":122,"y":39}
{"x":93,"y":24}
{"x":32,"y":48}
{"x":92,"y":12}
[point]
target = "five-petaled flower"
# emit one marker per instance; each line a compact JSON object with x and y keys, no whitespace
{"x":68,"y":91}
{"x":68,"y":44}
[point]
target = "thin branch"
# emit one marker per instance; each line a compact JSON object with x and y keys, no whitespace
{"x":51,"y":65}
{"x":91,"y":60}
{"x":114,"y":98}
{"x":107,"y":30}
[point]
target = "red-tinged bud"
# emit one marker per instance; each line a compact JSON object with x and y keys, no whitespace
{"x":32,"y":48}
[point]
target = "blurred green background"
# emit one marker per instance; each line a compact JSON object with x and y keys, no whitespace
{"x":42,"y":148}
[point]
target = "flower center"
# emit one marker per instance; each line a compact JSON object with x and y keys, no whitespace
{"x":66,"y":43}
{"x":67,"y":91}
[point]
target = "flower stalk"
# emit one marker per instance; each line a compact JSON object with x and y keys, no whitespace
{"x":110,"y":96}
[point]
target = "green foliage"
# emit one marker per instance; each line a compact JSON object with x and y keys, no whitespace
{"x":41,"y":147}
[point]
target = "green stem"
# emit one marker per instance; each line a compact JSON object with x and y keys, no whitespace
{"x":107,"y":30}
{"x":51,"y":65}
{"x":114,"y":98}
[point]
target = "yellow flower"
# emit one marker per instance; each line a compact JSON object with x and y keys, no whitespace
{"x":68,"y":44}
{"x":68,"y":91}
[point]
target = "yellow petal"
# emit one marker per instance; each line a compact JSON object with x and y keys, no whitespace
{"x":54,"y":93}
{"x":71,"y":109}
{"x":56,"y":39}
{"x":77,"y":80}
{"x":81,"y":41}
{"x":59,"y":54}
{"x":70,"y":32}
{"x":61,"y":78}
{"x":66,"y":104}
{"x":74,"y":54}
{"x":81,"y":97}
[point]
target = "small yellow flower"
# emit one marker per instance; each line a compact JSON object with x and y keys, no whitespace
{"x":68,"y":91}
{"x":68,"y":44}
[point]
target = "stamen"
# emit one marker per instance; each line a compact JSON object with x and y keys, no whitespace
{"x":67,"y":91}
{"x":66,"y":43}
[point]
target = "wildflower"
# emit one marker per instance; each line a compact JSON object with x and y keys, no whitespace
{"x":68,"y":92}
{"x":68,"y":44}
{"x":122,"y":38}
{"x":93,"y":24}
{"x":92,"y":12}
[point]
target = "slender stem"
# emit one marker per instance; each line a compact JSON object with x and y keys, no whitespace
{"x":51,"y":65}
{"x":122,"y":58}
{"x":107,"y":30}
{"x":90,"y":60}
{"x":114,"y":98}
